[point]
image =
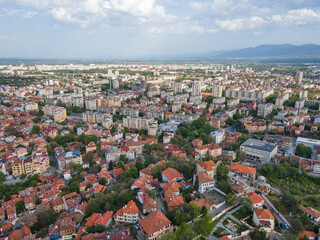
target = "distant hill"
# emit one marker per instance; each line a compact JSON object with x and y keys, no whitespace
{"x":269,"y":51}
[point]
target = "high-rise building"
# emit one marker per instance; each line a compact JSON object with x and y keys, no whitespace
{"x":115,"y":84}
{"x":303,"y":94}
{"x":217,"y":91}
{"x":196,"y":90}
{"x":298,"y":77}
{"x":177,"y":88}
{"x":143,"y":84}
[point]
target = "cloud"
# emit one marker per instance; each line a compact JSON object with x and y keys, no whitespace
{"x":240,"y":24}
{"x":29,"y":14}
{"x":297,"y":17}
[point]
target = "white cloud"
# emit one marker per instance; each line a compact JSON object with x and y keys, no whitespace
{"x":297,"y":17}
{"x":240,"y":24}
{"x":29,"y":14}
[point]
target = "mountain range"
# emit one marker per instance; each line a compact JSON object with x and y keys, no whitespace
{"x":266,"y":51}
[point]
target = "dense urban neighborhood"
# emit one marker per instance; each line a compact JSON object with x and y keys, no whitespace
{"x":154,"y":151}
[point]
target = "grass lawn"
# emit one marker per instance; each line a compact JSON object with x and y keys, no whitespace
{"x":219,"y":233}
{"x":215,"y":222}
{"x":241,"y":214}
{"x":237,"y":227}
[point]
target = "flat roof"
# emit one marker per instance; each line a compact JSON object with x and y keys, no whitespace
{"x":259,"y":145}
{"x":308,"y":141}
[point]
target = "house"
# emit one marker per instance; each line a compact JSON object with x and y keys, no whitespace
{"x":91,"y":147}
{"x":312,"y":213}
{"x":149,"y":205}
{"x":172,"y":188}
{"x":257,"y":200}
{"x":209,"y":166}
{"x":2,"y":214}
{"x":128,"y":214}
{"x":214,"y":150}
{"x":203,"y":202}
{"x":171,"y":174}
{"x":58,"y":204}
{"x":174,"y":202}
{"x":155,"y":225}
{"x":21,"y":233}
{"x":206,"y":182}
{"x":116,"y":173}
{"x":308,"y":235}
{"x":71,"y":200}
{"x":243,"y":171}
{"x":99,"y":219}
{"x":264,"y":218}
{"x":141,"y":182}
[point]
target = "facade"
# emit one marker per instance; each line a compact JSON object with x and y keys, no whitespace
{"x":265,"y":109}
{"x":258,"y":151}
{"x":59,"y":114}
{"x":128,"y":214}
{"x":155,"y":225}
{"x":217,"y":91}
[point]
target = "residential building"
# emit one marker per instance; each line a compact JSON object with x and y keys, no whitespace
{"x":243,"y":171}
{"x":263,"y":218}
{"x":155,"y":225}
{"x":171,"y":174}
{"x":59,"y":114}
{"x":128,"y":214}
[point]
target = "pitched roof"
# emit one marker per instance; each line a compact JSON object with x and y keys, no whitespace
{"x":202,"y":202}
{"x":242,"y":169}
{"x":154,"y":222}
{"x":254,"y":197}
{"x":208,"y":165}
{"x":174,"y":201}
{"x":310,"y":211}
{"x":172,"y":174}
{"x":149,"y":203}
{"x":309,"y":234}
{"x":264,"y":214}
{"x":204,"y":177}
{"x":130,"y":207}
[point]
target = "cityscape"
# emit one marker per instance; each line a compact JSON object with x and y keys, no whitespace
{"x":159,"y":120}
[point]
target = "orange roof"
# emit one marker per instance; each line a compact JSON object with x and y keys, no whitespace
{"x":172,"y":174}
{"x":254,"y":197}
{"x":171,"y":187}
{"x":242,"y":169}
{"x":118,"y":171}
{"x":310,"y":211}
{"x":309,"y":234}
{"x":98,"y":219}
{"x":208,"y":165}
{"x":149,"y":203}
{"x":264,"y":214}
{"x":131,"y":207}
{"x":154,"y":222}
{"x":204,"y":177}
{"x":174,"y":201}
{"x":202,"y":203}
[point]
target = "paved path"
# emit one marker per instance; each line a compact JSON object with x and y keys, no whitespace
{"x":220,"y":223}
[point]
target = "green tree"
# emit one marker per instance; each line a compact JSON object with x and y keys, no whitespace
{"x":204,"y":226}
{"x":89,"y":185}
{"x":184,"y":232}
{"x":112,"y":130}
{"x":102,"y":181}
{"x":19,"y":207}
{"x":231,"y":198}
{"x":23,"y":176}
{"x":258,"y":235}
{"x":35,"y":129}
{"x":2,"y":177}
{"x":246,"y":204}
{"x":99,"y":228}
{"x":303,"y":151}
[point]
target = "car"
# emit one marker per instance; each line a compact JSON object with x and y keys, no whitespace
{"x":282,"y":226}
{"x":258,"y":192}
{"x":286,"y":226}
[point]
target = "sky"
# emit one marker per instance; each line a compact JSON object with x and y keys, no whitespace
{"x":135,"y":28}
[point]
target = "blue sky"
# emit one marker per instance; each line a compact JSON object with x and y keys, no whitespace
{"x":127,"y":28}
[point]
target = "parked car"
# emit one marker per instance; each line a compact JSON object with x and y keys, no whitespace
{"x":282,"y":226}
